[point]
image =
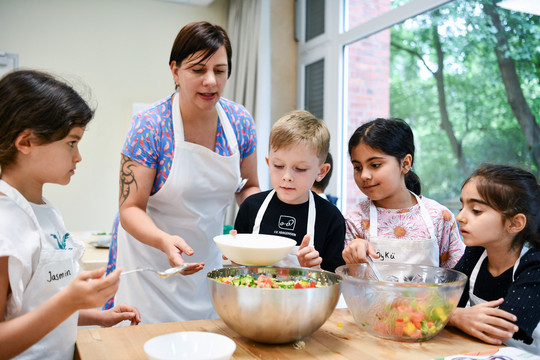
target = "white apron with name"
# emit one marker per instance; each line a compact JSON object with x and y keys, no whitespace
{"x":290,"y":260}
{"x":419,"y":252}
{"x":475,"y":300}
{"x":60,"y":342}
{"x":191,"y":204}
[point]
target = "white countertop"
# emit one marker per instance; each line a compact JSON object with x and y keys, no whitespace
{"x":93,"y":257}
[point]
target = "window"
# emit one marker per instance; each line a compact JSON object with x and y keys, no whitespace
{"x":436,"y":64}
{"x":314,"y":98}
{"x":314,"y":19}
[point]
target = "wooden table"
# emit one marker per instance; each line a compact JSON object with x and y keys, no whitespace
{"x":339,"y":338}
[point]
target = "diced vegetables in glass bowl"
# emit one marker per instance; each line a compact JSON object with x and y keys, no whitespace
{"x":413,"y":303}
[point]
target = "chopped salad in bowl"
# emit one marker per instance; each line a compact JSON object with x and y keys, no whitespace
{"x":413,"y":303}
{"x":268,"y":282}
{"x":248,"y":299}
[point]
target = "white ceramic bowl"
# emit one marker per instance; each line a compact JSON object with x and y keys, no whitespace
{"x":192,"y":345}
{"x":254,"y":249}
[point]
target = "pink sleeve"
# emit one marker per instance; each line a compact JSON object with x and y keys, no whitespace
{"x":451,"y":246}
{"x":359,"y":219}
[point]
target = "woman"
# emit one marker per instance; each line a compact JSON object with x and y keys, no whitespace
{"x":182,"y":161}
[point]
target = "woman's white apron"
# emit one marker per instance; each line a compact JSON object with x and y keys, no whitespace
{"x":475,"y":300}
{"x":392,"y":250}
{"x":191,"y":204}
{"x":291,"y":260}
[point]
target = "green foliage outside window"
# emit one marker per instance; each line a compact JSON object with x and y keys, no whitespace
{"x":447,"y":82}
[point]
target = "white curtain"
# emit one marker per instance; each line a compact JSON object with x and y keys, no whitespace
{"x":243,"y":25}
{"x":243,"y":29}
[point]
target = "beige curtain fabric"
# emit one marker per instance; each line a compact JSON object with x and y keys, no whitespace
{"x":243,"y":30}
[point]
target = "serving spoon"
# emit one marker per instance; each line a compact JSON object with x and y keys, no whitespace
{"x":163,"y":274}
{"x":356,"y":233}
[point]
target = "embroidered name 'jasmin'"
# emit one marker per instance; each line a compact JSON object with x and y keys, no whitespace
{"x":59,"y":276}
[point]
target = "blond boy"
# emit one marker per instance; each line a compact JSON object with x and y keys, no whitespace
{"x":298,"y":148}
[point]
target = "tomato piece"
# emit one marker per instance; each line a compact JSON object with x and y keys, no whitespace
{"x":298,"y":286}
{"x":416,"y":319}
{"x":398,"y":327}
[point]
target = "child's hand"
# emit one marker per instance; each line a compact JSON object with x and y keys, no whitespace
{"x":232,"y":233}
{"x":485,"y":322}
{"x":120,"y":313}
{"x":91,"y":290}
{"x":307,"y":255}
{"x":357,"y":251}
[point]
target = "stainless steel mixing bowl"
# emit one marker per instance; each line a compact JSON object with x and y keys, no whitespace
{"x":274,"y":316}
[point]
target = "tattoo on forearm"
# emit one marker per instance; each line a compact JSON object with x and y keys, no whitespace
{"x":127,"y":178}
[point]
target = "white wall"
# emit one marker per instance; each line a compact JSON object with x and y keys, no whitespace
{"x":119,"y":50}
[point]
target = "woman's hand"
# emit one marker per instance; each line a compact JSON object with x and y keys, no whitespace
{"x":485,"y":322}
{"x":174,"y":247}
{"x":307,"y":255}
{"x":357,"y":251}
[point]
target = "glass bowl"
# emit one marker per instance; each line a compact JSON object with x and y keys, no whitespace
{"x":413,"y":303}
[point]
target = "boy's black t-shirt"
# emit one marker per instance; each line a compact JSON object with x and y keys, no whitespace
{"x":290,"y":221}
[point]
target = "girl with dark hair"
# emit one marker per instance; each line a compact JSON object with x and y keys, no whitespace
{"x":43,"y":297}
{"x":182,"y":164}
{"x":500,"y":224}
{"x":394,"y":222}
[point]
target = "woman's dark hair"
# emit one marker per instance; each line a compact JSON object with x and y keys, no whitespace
{"x":36,"y":101}
{"x":200,"y":36}
{"x":393,"y":137}
{"x":511,"y":191}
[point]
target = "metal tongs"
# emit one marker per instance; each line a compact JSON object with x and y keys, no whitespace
{"x":356,"y":233}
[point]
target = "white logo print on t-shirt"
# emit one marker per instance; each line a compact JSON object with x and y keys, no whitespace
{"x":287,"y":223}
